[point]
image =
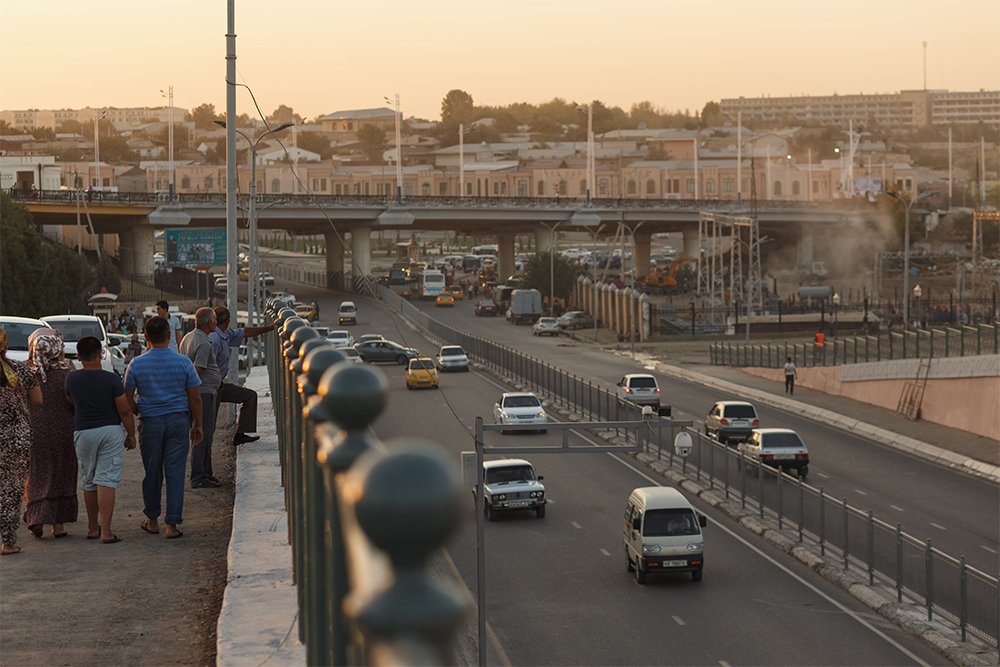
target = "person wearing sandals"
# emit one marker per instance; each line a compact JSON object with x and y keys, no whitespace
{"x":18,"y":388}
{"x":101,"y":411}
{"x":50,"y":492}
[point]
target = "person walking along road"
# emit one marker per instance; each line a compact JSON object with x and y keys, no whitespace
{"x":223,"y":340}
{"x":50,"y":492}
{"x":101,"y":410}
{"x":18,"y":388}
{"x":790,"y":374}
{"x":163,"y":310}
{"x":197,"y":347}
{"x":167,"y":385}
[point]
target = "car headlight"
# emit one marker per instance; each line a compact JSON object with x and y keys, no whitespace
{"x":694,"y":546}
{"x":500,"y":496}
{"x":650,"y":549}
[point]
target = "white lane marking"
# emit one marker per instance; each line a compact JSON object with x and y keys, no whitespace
{"x":898,"y":509}
{"x":605,"y":552}
{"x":860,"y":491}
{"x":823,"y":476}
{"x":992,"y":551}
{"x":575,"y":525}
{"x":937,"y":526}
{"x":679,"y":620}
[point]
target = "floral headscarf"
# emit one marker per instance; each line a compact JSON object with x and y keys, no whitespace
{"x":45,"y":350}
{"x":8,"y":370}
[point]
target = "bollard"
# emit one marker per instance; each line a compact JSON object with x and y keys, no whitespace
{"x":743,"y":479}
{"x":964,"y":615}
{"x":781,"y":473}
{"x":899,"y":562}
{"x":847,"y":542}
{"x":929,"y":579}
{"x":759,"y":467}
{"x":802,"y":509}
{"x":822,"y":522}
{"x":871,"y":549}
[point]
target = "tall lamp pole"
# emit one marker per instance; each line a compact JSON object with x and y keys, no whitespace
{"x":170,"y":140}
{"x":906,"y":252}
{"x":399,"y":155}
{"x":97,"y":145}
{"x":552,"y":263}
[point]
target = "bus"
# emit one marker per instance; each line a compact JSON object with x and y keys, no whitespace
{"x":431,"y":284}
{"x":481,"y":250}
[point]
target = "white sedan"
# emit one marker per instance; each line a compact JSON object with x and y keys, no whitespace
{"x":340,"y":338}
{"x":519,"y":408}
{"x":545,"y":326}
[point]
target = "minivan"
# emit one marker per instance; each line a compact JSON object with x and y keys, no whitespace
{"x":348,"y":313}
{"x":662,"y":533}
{"x":731,"y":421}
{"x":640,"y":389}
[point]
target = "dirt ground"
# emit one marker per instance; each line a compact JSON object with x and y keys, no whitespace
{"x":144,"y":601}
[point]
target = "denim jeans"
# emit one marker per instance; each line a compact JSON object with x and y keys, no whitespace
{"x":201,"y":454}
{"x":164,"y":442}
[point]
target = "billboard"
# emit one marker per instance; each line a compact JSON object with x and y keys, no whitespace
{"x":196,"y":247}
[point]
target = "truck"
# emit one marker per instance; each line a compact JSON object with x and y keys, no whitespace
{"x":525,"y":306}
{"x":399,"y":278}
{"x":432,"y":284}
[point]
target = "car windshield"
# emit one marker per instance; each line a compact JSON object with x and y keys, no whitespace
{"x":350,"y":351}
{"x":782,"y":440}
{"x":741,"y":412}
{"x":74,"y":331}
{"x":527,"y":401}
{"x":519,"y":473}
{"x":452,"y":351}
{"x":660,"y":523}
{"x":547,"y":321}
{"x":575,"y":313}
{"x":642,"y":383}
{"x":338,"y":334}
{"x":417,"y":364}
{"x":17,"y":334}
{"x":347,"y":309}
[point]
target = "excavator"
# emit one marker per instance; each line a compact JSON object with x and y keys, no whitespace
{"x":663,"y":283}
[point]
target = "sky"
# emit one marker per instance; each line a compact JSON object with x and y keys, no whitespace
{"x":321,"y":56}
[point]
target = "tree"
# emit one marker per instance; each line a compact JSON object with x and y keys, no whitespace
{"x":69,"y":127}
{"x":163,"y":136}
{"x":37,"y":276}
{"x":657,"y":153}
{"x":317,"y":143}
{"x":373,"y":141}
{"x":8,"y":129}
{"x":536,"y":274}
{"x":712,"y":115}
{"x":457,"y":107}
{"x":284,"y":114}
{"x":203,"y":116}
{"x":44,"y":133}
{"x":116,"y":149}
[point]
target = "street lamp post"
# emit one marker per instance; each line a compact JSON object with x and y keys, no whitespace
{"x":399,"y":155}
{"x":906,"y":252}
{"x":97,"y":145}
{"x":252,"y":269}
{"x":170,"y":141}
{"x":552,"y":263}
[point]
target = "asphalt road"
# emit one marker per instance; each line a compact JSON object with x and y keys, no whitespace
{"x":557,"y":589}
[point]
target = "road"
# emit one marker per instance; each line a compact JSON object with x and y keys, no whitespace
{"x":557,"y":589}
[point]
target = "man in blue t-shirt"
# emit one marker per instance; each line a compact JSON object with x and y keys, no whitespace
{"x":167,"y":387}
{"x":101,"y":410}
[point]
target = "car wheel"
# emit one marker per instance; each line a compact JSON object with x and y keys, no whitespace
{"x":491,"y":514}
{"x":409,"y":386}
{"x":803,"y":472}
{"x":696,"y":575}
{"x":629,"y":567}
{"x":640,"y":576}
{"x":401,"y":359}
{"x":540,"y":511}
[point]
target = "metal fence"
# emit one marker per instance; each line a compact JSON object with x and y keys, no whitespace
{"x":359,"y":556}
{"x":926,"y":575}
{"x":917,"y":344}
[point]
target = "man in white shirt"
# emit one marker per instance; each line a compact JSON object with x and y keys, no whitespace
{"x":174,"y":339}
{"x":790,"y":374}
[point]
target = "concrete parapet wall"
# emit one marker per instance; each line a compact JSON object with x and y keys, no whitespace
{"x":961,"y":392}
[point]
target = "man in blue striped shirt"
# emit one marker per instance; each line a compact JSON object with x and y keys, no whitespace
{"x":168,"y":402}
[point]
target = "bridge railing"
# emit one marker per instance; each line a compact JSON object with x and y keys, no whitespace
{"x":364,"y":517}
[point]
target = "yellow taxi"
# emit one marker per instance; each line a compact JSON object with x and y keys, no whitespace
{"x":456,"y":292}
{"x":305,"y":311}
{"x":446,"y":299}
{"x":421,"y":373}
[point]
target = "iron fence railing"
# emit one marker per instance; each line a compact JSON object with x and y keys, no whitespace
{"x":359,"y":559}
{"x":917,"y":344}
{"x":925,"y":575}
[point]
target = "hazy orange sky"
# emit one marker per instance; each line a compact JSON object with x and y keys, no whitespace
{"x":320,"y":56}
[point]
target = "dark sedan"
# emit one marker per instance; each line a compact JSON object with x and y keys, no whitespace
{"x":383,"y":351}
{"x":484,"y":308}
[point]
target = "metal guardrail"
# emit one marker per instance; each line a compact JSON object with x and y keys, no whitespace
{"x":918,"y":344}
{"x":928,"y":576}
{"x":362,"y":522}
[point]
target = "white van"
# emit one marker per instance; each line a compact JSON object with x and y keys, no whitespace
{"x":347,"y":313}
{"x":662,"y":533}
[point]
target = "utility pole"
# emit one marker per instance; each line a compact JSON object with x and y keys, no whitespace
{"x":232,"y":249}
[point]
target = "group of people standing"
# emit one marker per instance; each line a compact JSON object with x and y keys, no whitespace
{"x":57,"y":421}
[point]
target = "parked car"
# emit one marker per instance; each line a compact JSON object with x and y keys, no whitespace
{"x":18,"y":329}
{"x":511,"y":484}
{"x":375,"y":351}
{"x":731,"y":421}
{"x":519,"y":408}
{"x":75,"y":327}
{"x":452,"y":358}
{"x":340,"y":338}
{"x":348,"y":313}
{"x":778,"y":448}
{"x":575,"y":319}
{"x":486,"y":308}
{"x":421,"y":373}
{"x":445,"y":299}
{"x":545,"y":326}
{"x":640,"y":389}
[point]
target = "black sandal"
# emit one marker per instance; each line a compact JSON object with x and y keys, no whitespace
{"x":35,"y":530}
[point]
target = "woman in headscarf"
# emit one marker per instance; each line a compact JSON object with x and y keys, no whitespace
{"x":50,"y":492}
{"x":18,"y":388}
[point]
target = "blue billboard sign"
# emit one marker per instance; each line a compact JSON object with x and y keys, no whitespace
{"x":196,"y":247}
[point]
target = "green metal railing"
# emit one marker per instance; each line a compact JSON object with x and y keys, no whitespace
{"x":917,"y":344}
{"x":362,"y":522}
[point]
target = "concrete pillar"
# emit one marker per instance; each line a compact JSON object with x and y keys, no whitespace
{"x":543,"y":238}
{"x":126,"y":241}
{"x":361,"y":255}
{"x":641,"y":257}
{"x":806,"y":245}
{"x":505,"y":242}
{"x":136,"y":245}
{"x":334,"y":260}
{"x":691,"y":247}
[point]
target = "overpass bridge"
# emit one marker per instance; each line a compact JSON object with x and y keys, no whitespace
{"x":134,"y":217}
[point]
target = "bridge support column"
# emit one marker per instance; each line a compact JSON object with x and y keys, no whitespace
{"x":691,"y":247}
{"x":361,"y":256}
{"x":334,"y":261}
{"x":505,"y":243}
{"x":126,"y":242}
{"x":543,"y":239}
{"x":136,"y":244}
{"x":807,"y":242}
{"x":641,"y":258}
